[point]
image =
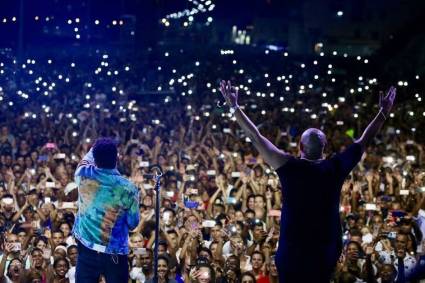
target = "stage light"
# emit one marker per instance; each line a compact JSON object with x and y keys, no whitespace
{"x":340,"y":13}
{"x":96,"y":22}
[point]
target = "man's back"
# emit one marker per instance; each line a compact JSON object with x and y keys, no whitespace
{"x":311,"y":192}
{"x":108,"y":208}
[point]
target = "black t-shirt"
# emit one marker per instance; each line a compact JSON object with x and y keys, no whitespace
{"x":311,"y":193}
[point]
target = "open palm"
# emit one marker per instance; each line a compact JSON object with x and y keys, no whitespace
{"x":229,"y":93}
{"x":386,"y":102}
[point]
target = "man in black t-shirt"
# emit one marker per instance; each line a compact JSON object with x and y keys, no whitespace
{"x":311,"y":186}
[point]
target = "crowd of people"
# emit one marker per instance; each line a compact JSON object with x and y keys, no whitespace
{"x":220,"y":202}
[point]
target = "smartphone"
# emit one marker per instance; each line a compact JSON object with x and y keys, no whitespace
{"x":170,"y":194}
{"x":47,"y":253}
{"x":410,"y":158}
{"x":339,"y":123}
{"x":16,"y":247}
{"x":371,"y":206}
{"x":32,"y":171}
{"x":208,"y":223}
{"x":404,"y":192}
{"x":147,"y":186}
{"x":420,"y":190}
{"x":270,"y":182}
{"x":50,"y":185}
{"x":231,"y":200}
{"x":139,"y":251}
{"x":60,"y":156}
{"x":66,"y":205}
{"x":293,"y":144}
{"x":7,"y":201}
{"x":191,"y":204}
{"x":236,"y":174}
{"x":275,"y":213}
{"x":226,"y":131}
{"x":50,"y":145}
{"x":211,"y":173}
{"x":42,"y":158}
{"x":144,"y":164}
{"x":392,"y":235}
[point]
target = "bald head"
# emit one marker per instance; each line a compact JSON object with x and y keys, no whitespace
{"x":313,"y":142}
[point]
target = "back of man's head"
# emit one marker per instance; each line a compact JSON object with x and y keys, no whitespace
{"x":105,"y":153}
{"x":313,"y":142}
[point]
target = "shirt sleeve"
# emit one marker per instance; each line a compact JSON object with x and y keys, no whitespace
{"x":86,"y":162}
{"x":349,"y":158}
{"x":133,"y":214}
{"x":88,"y":159}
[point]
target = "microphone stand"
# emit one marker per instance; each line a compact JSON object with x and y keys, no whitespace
{"x":157,"y":206}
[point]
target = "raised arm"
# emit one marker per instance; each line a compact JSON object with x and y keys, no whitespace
{"x":385,"y":105}
{"x":271,"y":154}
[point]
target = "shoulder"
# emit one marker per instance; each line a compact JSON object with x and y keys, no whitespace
{"x":128,"y":185}
{"x":286,"y":161}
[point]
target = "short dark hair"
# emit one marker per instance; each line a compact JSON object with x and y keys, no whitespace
{"x":105,"y":153}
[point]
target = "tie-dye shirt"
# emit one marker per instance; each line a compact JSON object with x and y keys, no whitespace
{"x":108,"y":207}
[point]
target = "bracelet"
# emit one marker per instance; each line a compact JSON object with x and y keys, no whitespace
{"x":382,"y":113}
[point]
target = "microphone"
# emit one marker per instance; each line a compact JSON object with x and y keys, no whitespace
{"x":158,"y":172}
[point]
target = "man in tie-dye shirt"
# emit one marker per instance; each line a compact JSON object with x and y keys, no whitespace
{"x":108,"y":208}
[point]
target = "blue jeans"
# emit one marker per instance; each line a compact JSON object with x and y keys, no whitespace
{"x":91,"y":264}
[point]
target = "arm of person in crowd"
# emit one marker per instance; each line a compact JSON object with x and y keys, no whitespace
{"x":213,"y":198}
{"x":20,"y":211}
{"x":385,"y":105}
{"x":369,"y":179}
{"x":7,"y":250}
{"x":40,"y":214}
{"x":419,"y":205}
{"x":269,"y":219}
{"x":271,"y":154}
{"x":171,"y":246}
{"x":368,"y":270}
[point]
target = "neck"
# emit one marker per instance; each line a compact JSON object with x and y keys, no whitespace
{"x":303,"y":156}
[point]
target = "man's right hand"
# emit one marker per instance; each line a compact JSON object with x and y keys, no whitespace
{"x":386,"y":102}
{"x":229,"y":93}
